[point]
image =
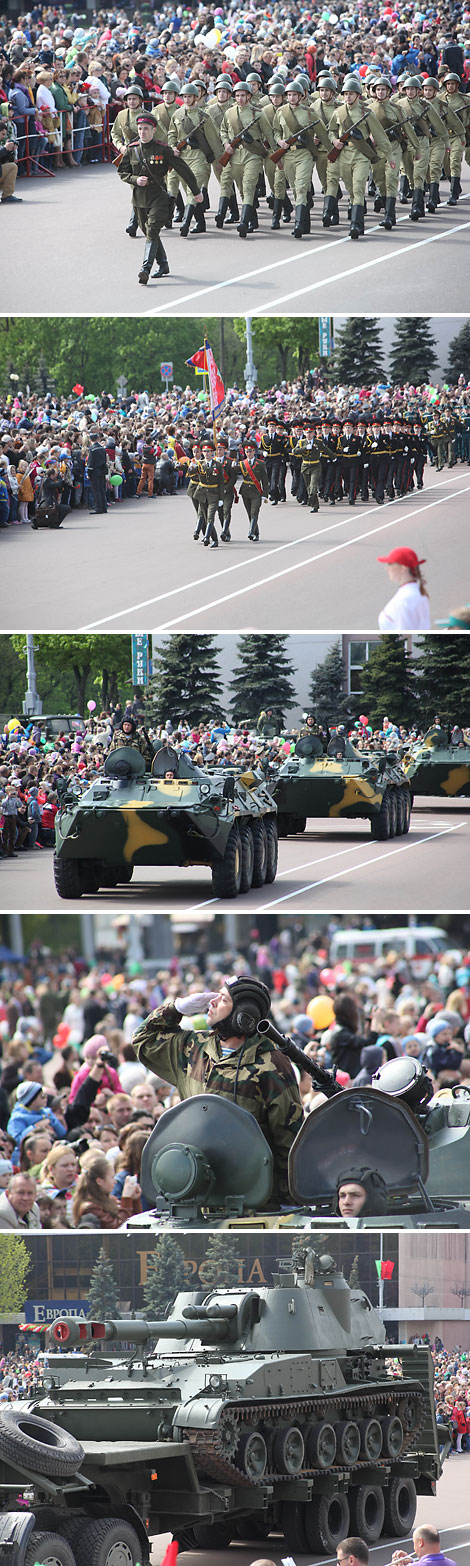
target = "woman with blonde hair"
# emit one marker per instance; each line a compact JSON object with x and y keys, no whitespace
{"x":60,"y":1172}
{"x":94,"y":1206}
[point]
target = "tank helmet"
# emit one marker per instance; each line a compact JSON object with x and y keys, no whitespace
{"x":352,"y":84}
{"x":136,"y":90}
{"x":251,"y":1002}
{"x":376,"y":1200}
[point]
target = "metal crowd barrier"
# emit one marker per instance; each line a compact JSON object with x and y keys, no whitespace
{"x":32,"y":153}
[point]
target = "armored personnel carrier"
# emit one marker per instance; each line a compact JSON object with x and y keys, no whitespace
{"x":176,"y":815}
{"x":245,"y":1411}
{"x":341,"y":783}
{"x":440,"y":764}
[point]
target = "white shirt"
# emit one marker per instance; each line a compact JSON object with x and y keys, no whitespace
{"x":408,"y":610}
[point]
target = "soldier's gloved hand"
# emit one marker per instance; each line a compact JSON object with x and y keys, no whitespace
{"x":191,"y":1005}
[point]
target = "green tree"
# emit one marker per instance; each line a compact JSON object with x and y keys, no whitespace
{"x":71,"y":664}
{"x":221,"y":1267}
{"x":12,"y":678}
{"x":262,"y":677}
{"x":388,"y":682}
{"x":165,"y":1277}
{"x":15,"y":1266}
{"x":283,"y":346}
{"x":103,"y":1296}
{"x":459,"y":355}
{"x":358,"y":358}
{"x":93,"y":353}
{"x":443,"y":666}
{"x":413,"y":354}
{"x":327,"y":693}
{"x":186,"y":680}
{"x":354,"y":1279}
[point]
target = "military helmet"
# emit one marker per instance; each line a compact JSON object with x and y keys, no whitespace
{"x":224,"y":81}
{"x":254,"y":76}
{"x":242,"y":87}
{"x":352,"y":84}
{"x":383,"y":81}
{"x":170,"y":87}
{"x":302,"y":76}
{"x":431,"y":82}
{"x":251,"y":1003}
{"x":276,"y":89}
{"x":136,"y":90}
{"x":297,"y":85}
{"x":413,"y":81}
{"x":327,"y":81}
{"x":198,"y":82}
{"x":189,"y":90}
{"x":452,"y":77}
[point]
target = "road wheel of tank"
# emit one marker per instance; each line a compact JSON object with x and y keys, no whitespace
{"x":227,"y":874}
{"x":400,"y":1507}
{"x":252,"y":1454}
{"x":392,"y":1436}
{"x":38,"y":1444}
{"x":367,"y":1511}
{"x":106,"y":1541}
{"x":293,"y":1527}
{"x":393,"y":812}
{"x":348,"y":1442}
{"x":326,"y":1522}
{"x":320,"y":1444}
{"x":410,"y":1413}
{"x":271,"y":835}
{"x":67,"y":877}
{"x":48,"y":1549}
{"x":288,"y":1450}
{"x":215,"y":1537}
{"x":261,"y":853}
{"x":380,"y":823}
{"x":248,"y":857}
{"x":371,"y":1434}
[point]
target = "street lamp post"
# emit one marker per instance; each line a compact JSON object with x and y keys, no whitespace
{"x":251,"y":373}
{"x":32,"y":702}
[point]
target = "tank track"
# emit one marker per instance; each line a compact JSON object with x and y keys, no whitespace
{"x":208,"y":1447}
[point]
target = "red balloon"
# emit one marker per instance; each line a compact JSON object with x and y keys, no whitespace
{"x":327,"y":976}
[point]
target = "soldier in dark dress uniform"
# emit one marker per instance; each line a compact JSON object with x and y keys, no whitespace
{"x":144,"y":166}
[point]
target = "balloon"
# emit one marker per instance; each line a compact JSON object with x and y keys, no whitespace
{"x":321,"y":1011}
{"x":362,"y":718}
{"x":327,"y":976}
{"x":91,"y":706}
{"x":339,"y":972}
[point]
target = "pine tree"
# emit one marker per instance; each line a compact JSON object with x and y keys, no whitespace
{"x":443,"y":667}
{"x":326,"y":694}
{"x":388,"y":682}
{"x":261,"y":678}
{"x":186,"y":680}
{"x":459,"y":355}
{"x":103,"y":1297}
{"x":358,"y":355}
{"x":165,"y":1277}
{"x":221,"y":1268}
{"x":354,"y":1279}
{"x":413,"y":354}
{"x":15,"y":1265}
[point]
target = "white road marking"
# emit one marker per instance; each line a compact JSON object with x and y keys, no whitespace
{"x":277,"y":549}
{"x":365,"y":266}
{"x":404,"y":848}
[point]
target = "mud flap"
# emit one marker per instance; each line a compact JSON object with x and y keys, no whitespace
{"x":15,"y":1529}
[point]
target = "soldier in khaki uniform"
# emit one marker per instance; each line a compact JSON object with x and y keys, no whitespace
{"x":191,"y":126}
{"x":124,"y":130}
{"x":295,"y":117}
{"x":230,"y":1060}
{"x":229,"y":474}
{"x":428,"y":123}
{"x":246,"y":160}
{"x":254,"y":485}
{"x":455,"y":110}
{"x":366,"y":142}
{"x":194,"y":474}
{"x":223,"y":98}
{"x":324,"y":103}
{"x":309,"y":450}
{"x":391,"y":114}
{"x":163,"y":115}
{"x":209,"y":494}
{"x":274,"y":171}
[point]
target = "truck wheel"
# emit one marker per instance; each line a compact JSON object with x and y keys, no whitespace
{"x":90,"y":876}
{"x":227,"y":874}
{"x":248,"y":857}
{"x":283,"y":823}
{"x":38,"y":1444}
{"x":105,"y":1542}
{"x":327,"y":1522}
{"x":406,"y":809}
{"x":401,"y":811}
{"x":271,"y":834}
{"x":217,"y":1536}
{"x":185,"y":1539}
{"x":400,"y":1507}
{"x":299,"y":824}
{"x":393,"y":813}
{"x":257,"y":1526}
{"x":293,"y":1527}
{"x":380,"y":823}
{"x":261,"y":853}
{"x":48,"y":1549}
{"x":67,"y":877}
{"x":367,"y":1508}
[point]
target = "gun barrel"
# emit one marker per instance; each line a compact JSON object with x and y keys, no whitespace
{"x":324,"y":1080}
{"x":68,"y":1331}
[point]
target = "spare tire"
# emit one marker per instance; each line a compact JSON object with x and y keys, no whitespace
{"x":38,"y":1444}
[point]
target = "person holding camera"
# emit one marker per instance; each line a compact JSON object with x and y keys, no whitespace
{"x":96,"y":1050}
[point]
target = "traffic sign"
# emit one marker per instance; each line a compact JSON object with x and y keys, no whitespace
{"x":140,"y":659}
{"x":166,"y":371}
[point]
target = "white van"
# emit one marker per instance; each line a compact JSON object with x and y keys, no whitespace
{"x":420,"y":944}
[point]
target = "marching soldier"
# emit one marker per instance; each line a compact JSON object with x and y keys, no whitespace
{"x":209,"y":494}
{"x":393,"y":119}
{"x":295,"y":119}
{"x":427,"y":123}
{"x":347,"y":471}
{"x":359,"y":145}
{"x":298,"y":489}
{"x":223,"y":97}
{"x":274,"y":448}
{"x":455,"y":110}
{"x":194,"y":474}
{"x":325,"y":104}
{"x":145,"y":167}
{"x":124,"y":130}
{"x":193,"y":132}
{"x":254,"y":485}
{"x":281,"y":204}
{"x":229,"y":474}
{"x":246,"y":135}
{"x":420,"y":453}
{"x":309,"y":451}
{"x":163,"y":114}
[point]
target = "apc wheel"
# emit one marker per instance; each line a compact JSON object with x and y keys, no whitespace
{"x":405,"y":797}
{"x":90,"y":875}
{"x":326,"y":1522}
{"x":217,"y":1537}
{"x":367,"y":1509}
{"x":125,"y":874}
{"x":248,"y":857}
{"x":392,"y":1436}
{"x":252,"y":1454}
{"x":393,"y":813}
{"x":371,"y":1434}
{"x":38,"y":1444}
{"x":400,"y":1507}
{"x":227,"y":874}
{"x":401,"y":811}
{"x":255,"y":1527}
{"x":105,"y":1542}
{"x":380,"y":823}
{"x":320,"y":1444}
{"x":288,"y":1450}
{"x":299,"y":824}
{"x":348,"y":1442}
{"x":67,"y":877}
{"x":293,"y":1527}
{"x":283,"y":824}
{"x":108,"y":876}
{"x":48,"y":1549}
{"x":261,"y":853}
{"x":271,"y":834}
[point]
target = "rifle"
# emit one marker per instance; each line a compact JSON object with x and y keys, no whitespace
{"x":335,"y":152}
{"x":118,"y":160}
{"x":276,"y":156}
{"x":393,"y":131}
{"x":187,"y":140}
{"x":237,"y":141}
{"x":324,"y":1080}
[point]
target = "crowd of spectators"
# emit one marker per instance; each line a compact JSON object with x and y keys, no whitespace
{"x":76,"y":1107}
{"x":47,"y":443}
{"x":63,"y":81}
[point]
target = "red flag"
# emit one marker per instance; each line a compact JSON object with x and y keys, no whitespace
{"x":78,"y":389}
{"x":387,"y":1269}
{"x":216,"y":385}
{"x":197,"y":360}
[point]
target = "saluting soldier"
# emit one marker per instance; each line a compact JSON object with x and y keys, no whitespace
{"x":145,"y":168}
{"x":209,"y":493}
{"x":366,"y":141}
{"x":309,"y":451}
{"x":455,"y":110}
{"x":229,"y":474}
{"x":124,"y":130}
{"x":193,"y":131}
{"x":254,"y":485}
{"x":249,"y":127}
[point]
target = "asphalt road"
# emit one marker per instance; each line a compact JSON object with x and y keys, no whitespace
{"x":138,"y":565}
{"x":333,"y":865}
{"x":449,"y":1511}
{"x":80,"y":216}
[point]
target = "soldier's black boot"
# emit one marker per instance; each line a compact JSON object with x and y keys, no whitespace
{"x":179,"y":209}
{"x":187,"y":220}
{"x":245,"y":221}
{"x":253,"y":223}
{"x":221,"y":211}
{"x":357,"y":222}
{"x":163,"y":269}
{"x":133,"y":225}
{"x":151,"y":247}
{"x":389,"y":220}
{"x":206,"y":201}
{"x":200,"y":224}
{"x":234,"y":210}
{"x":433,"y":197}
{"x":404,"y":190}
{"x":200,"y":527}
{"x":287,"y":209}
{"x":417,"y":205}
{"x":171,"y":209}
{"x":335,"y":211}
{"x":454,"y":193}
{"x":299,"y":222}
{"x":379,"y":202}
{"x":276,"y":217}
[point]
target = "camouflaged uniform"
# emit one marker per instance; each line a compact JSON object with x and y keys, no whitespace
{"x":254,"y":1075}
{"x":133,"y":742}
